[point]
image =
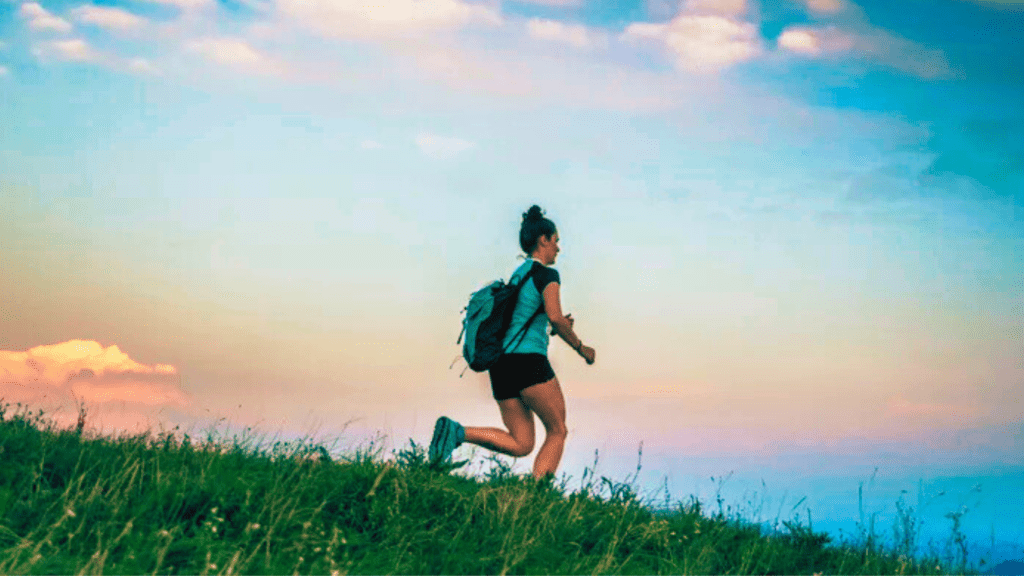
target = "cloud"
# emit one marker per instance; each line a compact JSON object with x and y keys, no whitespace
{"x":4,"y":71}
{"x":80,"y":51}
{"x":58,"y":362}
{"x":825,"y":6}
{"x":730,"y":8}
{"x":39,"y":19}
{"x":867,"y":43}
{"x":185,"y":5}
{"x":142,"y":66}
{"x":810,"y":41}
{"x":555,"y":3}
{"x":112,"y":386}
{"x":73,"y":50}
{"x":109,"y":18}
{"x":703,"y":43}
{"x":234,"y":52}
{"x":552,"y":30}
{"x":442,"y":147}
{"x":362,"y":20}
{"x":370,"y":145}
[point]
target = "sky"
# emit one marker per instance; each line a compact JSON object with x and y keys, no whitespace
{"x":792,"y":230}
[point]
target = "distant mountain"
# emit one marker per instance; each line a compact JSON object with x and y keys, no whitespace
{"x":1008,"y":568}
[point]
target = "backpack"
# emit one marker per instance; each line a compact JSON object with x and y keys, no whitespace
{"x":488,"y":318}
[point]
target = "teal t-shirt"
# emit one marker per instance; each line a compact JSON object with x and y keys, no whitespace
{"x":535,"y":340}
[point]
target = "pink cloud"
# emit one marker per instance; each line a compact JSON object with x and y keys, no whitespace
{"x":116,"y":390}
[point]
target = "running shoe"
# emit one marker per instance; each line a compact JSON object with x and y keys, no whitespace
{"x":448,"y":435}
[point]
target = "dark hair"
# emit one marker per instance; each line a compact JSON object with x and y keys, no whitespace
{"x":534,"y":226}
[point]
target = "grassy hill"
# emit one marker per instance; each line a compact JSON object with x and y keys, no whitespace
{"x":165,"y":503}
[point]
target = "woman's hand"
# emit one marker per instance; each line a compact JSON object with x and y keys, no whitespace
{"x":588,"y":354}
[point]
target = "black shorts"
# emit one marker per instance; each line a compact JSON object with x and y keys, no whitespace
{"x":513,"y":372}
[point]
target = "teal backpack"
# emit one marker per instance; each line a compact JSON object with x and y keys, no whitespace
{"x":487,"y":320}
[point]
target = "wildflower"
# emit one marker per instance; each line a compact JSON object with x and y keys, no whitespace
{"x":70,"y":512}
{"x":317,"y":549}
{"x":255,"y":526}
{"x":213,"y":566}
{"x":214,"y":529}
{"x":163,"y":533}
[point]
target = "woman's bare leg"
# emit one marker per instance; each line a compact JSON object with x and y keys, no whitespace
{"x":519,"y":439}
{"x":547,"y":401}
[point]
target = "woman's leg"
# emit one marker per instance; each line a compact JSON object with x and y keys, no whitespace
{"x":547,"y":401}
{"x":518,"y":441}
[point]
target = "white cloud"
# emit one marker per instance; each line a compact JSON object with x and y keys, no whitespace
{"x":703,"y":43}
{"x":142,"y":66}
{"x":555,"y":3}
{"x":187,"y":5}
{"x":552,"y":30}
{"x":74,"y":50}
{"x":867,"y":43}
{"x":116,"y":390}
{"x":363,"y":20}
{"x":816,"y":41}
{"x":729,"y":8}
{"x":110,"y":18}
{"x":78,"y":50}
{"x":233,"y":52}
{"x":826,"y":6}
{"x":4,"y":71}
{"x":442,"y":147}
{"x":40,"y":19}
{"x":370,"y":145}
{"x":532,"y":75}
{"x":800,"y":40}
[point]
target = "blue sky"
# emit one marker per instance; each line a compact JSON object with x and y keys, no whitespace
{"x":788,"y":227}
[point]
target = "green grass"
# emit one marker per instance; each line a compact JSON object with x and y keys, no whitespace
{"x":71,"y":503}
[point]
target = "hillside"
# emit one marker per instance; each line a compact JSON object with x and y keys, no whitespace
{"x":166,"y":503}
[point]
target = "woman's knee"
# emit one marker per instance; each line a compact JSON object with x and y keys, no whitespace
{"x":558,"y":429}
{"x":523,"y":449}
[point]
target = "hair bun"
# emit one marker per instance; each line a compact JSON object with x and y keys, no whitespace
{"x":534,"y":213}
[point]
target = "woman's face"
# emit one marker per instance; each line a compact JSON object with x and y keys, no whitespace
{"x":549,"y":248}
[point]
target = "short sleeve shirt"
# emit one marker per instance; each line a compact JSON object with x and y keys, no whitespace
{"x":535,"y":339}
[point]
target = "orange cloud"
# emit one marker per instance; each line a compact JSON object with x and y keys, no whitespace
{"x":115,"y":389}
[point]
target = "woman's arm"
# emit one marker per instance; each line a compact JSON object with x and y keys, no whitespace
{"x":561,"y":324}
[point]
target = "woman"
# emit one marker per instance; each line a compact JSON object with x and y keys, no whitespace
{"x":522,"y":380}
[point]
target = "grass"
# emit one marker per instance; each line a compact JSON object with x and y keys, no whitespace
{"x":72,"y":503}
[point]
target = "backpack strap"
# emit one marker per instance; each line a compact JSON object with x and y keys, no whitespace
{"x":522,"y":332}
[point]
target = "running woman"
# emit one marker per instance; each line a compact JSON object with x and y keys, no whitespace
{"x":522,"y":380}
